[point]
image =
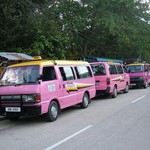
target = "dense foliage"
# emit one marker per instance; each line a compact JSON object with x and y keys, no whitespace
{"x":67,"y":29}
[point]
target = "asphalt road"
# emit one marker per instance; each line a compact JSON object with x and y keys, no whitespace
{"x":122,"y":123}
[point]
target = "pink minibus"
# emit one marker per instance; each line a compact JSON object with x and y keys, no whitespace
{"x":110,"y":78}
{"x":139,"y":74}
{"x":45,"y":87}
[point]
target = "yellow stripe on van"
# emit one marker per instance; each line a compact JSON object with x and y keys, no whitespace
{"x":79,"y":86}
{"x":135,"y":64}
{"x":71,"y":87}
{"x":76,"y":86}
{"x":50,"y":62}
{"x":120,"y":78}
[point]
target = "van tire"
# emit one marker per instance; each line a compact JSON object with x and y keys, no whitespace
{"x":53,"y":111}
{"x":126,"y":90}
{"x":85,"y":101}
{"x":145,"y":84}
{"x":114,"y":94}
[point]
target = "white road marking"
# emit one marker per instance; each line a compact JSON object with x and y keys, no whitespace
{"x":138,"y":99}
{"x":68,"y":138}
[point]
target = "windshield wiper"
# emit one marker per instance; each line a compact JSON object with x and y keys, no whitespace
{"x":18,"y":84}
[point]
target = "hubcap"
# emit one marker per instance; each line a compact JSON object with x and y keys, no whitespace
{"x":54,"y":111}
{"x":86,"y":100}
{"x":127,"y":88}
{"x":146,"y":84}
{"x":115,"y":92}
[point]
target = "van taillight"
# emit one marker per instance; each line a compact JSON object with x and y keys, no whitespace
{"x":108,"y":81}
{"x":97,"y":83}
{"x":37,"y":97}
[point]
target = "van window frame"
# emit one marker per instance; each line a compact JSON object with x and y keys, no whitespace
{"x":121,"y":69}
{"x":52,"y":73}
{"x":114,"y":69}
{"x":98,"y":72}
{"x":83,"y":75}
{"x":63,"y":72}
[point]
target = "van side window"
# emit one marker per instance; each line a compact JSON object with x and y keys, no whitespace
{"x":98,"y":69}
{"x":119,"y":68}
{"x":125,"y":69}
{"x":90,"y":71}
{"x":67,"y":73}
{"x":83,"y":72}
{"x":145,"y":68}
{"x":112,"y":69}
{"x":148,"y":68}
{"x":48,"y":74}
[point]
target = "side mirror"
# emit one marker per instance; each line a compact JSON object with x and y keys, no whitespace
{"x":128,"y":71}
{"x":40,"y":77}
{"x":146,"y":69}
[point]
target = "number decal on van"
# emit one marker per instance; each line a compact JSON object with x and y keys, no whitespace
{"x":71,"y":87}
{"x":51,"y":87}
{"x":75,"y":86}
{"x":118,"y":79}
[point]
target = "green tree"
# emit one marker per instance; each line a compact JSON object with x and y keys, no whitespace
{"x":66,"y":29}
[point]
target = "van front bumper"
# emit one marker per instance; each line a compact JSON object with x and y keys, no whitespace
{"x":137,"y":81}
{"x":25,"y":110}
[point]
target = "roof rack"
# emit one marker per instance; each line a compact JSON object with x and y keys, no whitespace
{"x":37,"y":58}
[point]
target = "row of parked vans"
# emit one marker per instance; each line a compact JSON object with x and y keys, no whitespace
{"x":48,"y":86}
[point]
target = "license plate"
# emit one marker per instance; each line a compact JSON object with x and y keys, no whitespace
{"x":97,"y":83}
{"x":12,"y":109}
{"x":132,"y":84}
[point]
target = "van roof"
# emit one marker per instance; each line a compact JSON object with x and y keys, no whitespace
{"x":135,"y":64}
{"x":113,"y":63}
{"x":49,"y":62}
{"x":105,"y":63}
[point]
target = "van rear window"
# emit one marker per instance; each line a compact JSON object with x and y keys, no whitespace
{"x":98,"y":69}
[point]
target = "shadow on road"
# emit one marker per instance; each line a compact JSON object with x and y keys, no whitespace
{"x":2,"y":118}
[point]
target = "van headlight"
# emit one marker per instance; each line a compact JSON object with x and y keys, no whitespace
{"x":32,"y":98}
{"x":141,"y":77}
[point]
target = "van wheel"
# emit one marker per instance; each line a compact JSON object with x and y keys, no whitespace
{"x":53,"y":111}
{"x":114,"y":94}
{"x":126,"y":90}
{"x":12,"y":116}
{"x":145,"y":84}
{"x":85,"y":101}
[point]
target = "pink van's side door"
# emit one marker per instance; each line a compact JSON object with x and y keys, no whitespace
{"x":51,"y":87}
{"x":121,"y":76}
{"x":114,"y":77}
{"x":69,"y":90}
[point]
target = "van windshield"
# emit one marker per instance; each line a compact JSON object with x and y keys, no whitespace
{"x":20,"y":75}
{"x":133,"y":69}
{"x":98,"y":69}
